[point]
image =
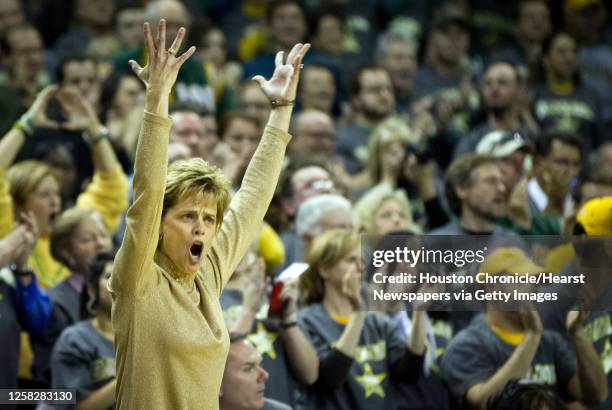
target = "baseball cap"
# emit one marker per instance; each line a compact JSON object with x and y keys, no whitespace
{"x":500,"y":143}
{"x":510,"y":260}
{"x":596,"y":216}
{"x":580,"y":4}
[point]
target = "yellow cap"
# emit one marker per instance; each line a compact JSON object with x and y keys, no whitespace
{"x":580,"y":4}
{"x":510,"y":260}
{"x":596,"y":216}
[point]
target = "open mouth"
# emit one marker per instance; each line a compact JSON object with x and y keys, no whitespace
{"x":196,"y":251}
{"x":52,"y":217}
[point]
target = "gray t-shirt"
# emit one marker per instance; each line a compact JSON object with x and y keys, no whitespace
{"x":368,"y":385}
{"x":477,"y":353}
{"x":82,"y":359}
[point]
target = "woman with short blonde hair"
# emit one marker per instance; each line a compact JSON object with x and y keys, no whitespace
{"x":383,"y":210}
{"x":183,"y":241}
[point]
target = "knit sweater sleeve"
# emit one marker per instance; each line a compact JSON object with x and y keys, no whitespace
{"x":135,"y":257}
{"x":247,"y":209}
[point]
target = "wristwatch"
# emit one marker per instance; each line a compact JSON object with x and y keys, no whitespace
{"x":94,"y":139}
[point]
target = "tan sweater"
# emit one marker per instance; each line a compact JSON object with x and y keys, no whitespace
{"x":171,"y":340}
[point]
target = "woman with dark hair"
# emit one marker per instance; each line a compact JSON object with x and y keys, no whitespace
{"x":84,"y":356}
{"x":361,"y":354}
{"x":121,"y":102}
{"x":560,"y":100}
{"x":78,"y":235}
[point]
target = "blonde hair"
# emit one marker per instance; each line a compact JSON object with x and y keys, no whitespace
{"x":196,"y":177}
{"x":394,"y":129}
{"x":326,"y":250}
{"x":365,"y":209}
{"x":24,"y":177}
{"x":63,"y":231}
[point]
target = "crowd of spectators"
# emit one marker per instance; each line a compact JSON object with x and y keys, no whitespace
{"x":445,"y":117}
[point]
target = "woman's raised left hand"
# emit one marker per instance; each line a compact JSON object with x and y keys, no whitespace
{"x":283,"y":84}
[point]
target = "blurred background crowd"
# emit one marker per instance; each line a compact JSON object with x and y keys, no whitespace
{"x":448,"y":117}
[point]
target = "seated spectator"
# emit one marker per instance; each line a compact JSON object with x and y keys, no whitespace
{"x":244,"y":379}
{"x":241,"y":133}
{"x":61,"y":156}
{"x":504,"y":99}
{"x":431,"y":331}
{"x":90,"y":21}
{"x":557,"y":164}
{"x":212,"y":49}
{"x":506,"y":344}
{"x":195,"y":128}
{"x":11,"y":15}
{"x":33,"y":186}
{"x":314,"y":134}
{"x":305,"y":177}
{"x":588,"y":304}
{"x":24,"y":75}
{"x":322,"y":213}
{"x":78,"y":235}
{"x":192,"y":85}
{"x":343,"y":32}
{"x":476,"y":195}
{"x":514,"y":152}
{"x":80,"y":73}
{"x":560,"y":101}
{"x":533,"y":24}
{"x":603,"y":156}
{"x":383,"y":210}
{"x":318,"y":89}
{"x":286,"y":354}
{"x":586,"y":21}
{"x":121,"y":99}
{"x":361,"y":354}
{"x":84,"y":356}
{"x":520,"y":394}
{"x":372,"y":100}
{"x":286,"y":25}
{"x":445,"y":55}
{"x":398,"y":54}
{"x":253,"y":102}
{"x":129,"y":18}
{"x":23,"y":306}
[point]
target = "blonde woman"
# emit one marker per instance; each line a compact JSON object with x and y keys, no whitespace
{"x":361,"y":354}
{"x":383,"y":210}
{"x":385,"y":154}
{"x":183,"y":240}
{"x":34,"y":186}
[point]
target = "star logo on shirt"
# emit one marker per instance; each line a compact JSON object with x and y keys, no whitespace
{"x":263,"y":341}
{"x":371,"y":382}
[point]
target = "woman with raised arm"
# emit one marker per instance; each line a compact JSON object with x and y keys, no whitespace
{"x":182,"y":242}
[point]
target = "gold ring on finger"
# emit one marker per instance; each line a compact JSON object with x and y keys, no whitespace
{"x":172,"y":51}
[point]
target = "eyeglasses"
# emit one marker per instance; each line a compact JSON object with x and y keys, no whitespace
{"x":321,"y":185}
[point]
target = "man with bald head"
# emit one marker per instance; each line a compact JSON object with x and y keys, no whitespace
{"x":192,"y":86}
{"x":314,"y":134}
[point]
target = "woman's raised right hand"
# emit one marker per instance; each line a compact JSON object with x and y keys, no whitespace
{"x":159,"y":75}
